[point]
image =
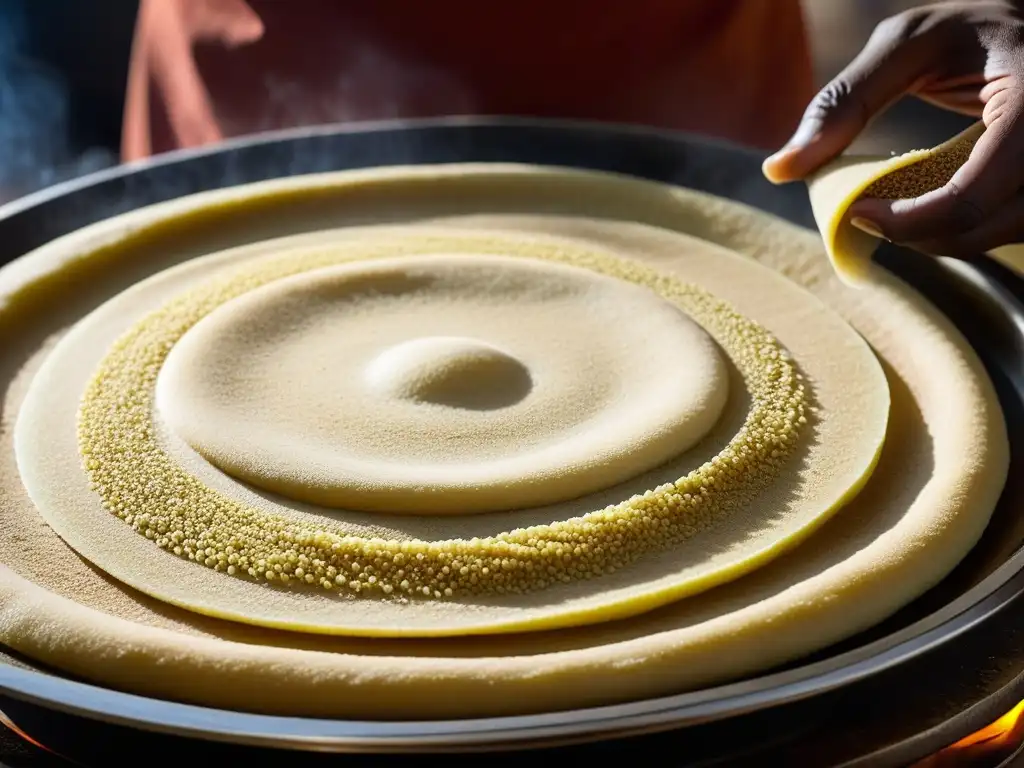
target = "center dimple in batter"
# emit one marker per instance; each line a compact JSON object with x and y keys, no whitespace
{"x":452,"y":371}
{"x":441,"y":384}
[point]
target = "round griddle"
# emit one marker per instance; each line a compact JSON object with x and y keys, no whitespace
{"x":951,"y":635}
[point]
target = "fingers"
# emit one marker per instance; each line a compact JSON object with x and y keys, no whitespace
{"x":992,"y":175}
{"x":1002,"y":227}
{"x":231,"y":22}
{"x":173,"y":71}
{"x":944,"y":213}
{"x":893,"y":59}
{"x":962,"y":101}
{"x":963,"y":94}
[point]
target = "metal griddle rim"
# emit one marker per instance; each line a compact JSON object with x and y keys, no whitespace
{"x":996,"y":593}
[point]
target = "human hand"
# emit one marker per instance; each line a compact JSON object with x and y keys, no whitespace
{"x":963,"y":56}
{"x":163,"y":58}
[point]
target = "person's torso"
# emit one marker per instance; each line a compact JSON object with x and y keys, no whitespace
{"x":738,"y":69}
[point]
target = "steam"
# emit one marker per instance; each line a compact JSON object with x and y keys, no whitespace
{"x":38,"y":146}
{"x":35,"y":130}
{"x":374,"y":85}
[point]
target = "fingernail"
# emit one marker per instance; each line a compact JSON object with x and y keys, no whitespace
{"x":768,"y":169}
{"x":805,"y":133}
{"x":867,"y":226}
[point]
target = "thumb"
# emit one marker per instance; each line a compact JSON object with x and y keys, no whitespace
{"x":893,"y":59}
{"x":232,"y":23}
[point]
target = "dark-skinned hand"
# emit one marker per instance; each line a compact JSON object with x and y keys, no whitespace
{"x":963,"y":56}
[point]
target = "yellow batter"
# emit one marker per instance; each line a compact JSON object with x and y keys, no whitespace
{"x":928,"y":500}
{"x":835,"y":187}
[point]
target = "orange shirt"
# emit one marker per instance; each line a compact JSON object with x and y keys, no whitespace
{"x":203,"y":70}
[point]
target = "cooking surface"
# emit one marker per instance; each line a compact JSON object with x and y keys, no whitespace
{"x":981,"y":665}
{"x":660,"y":156}
{"x":923,"y":696}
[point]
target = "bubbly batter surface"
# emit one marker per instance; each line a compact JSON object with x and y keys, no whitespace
{"x":789,"y":576}
{"x":360,"y":386}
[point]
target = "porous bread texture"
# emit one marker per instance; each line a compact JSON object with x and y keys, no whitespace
{"x":940,"y":473}
{"x":344,"y":384}
{"x":748,"y":492}
{"x":836,"y":186}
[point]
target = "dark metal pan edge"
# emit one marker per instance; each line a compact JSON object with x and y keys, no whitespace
{"x":998,"y":592}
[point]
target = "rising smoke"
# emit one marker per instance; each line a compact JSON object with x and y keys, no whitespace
{"x":39,"y":145}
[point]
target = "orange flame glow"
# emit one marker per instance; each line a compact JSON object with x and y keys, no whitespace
{"x":985,"y":747}
{"x":995,"y":742}
{"x":6,"y":721}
